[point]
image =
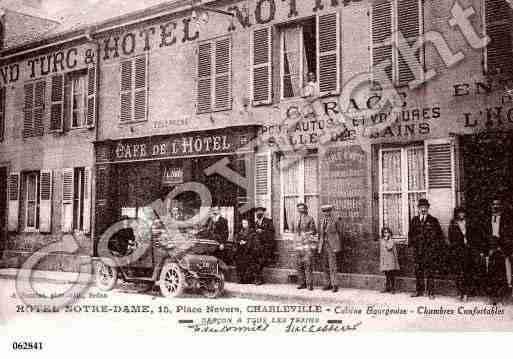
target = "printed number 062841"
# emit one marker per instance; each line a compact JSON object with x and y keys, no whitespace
{"x":27,"y":345}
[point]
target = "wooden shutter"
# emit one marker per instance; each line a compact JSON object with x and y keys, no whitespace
{"x":13,"y":195}
{"x":2,"y":113}
{"x":204,"y":82}
{"x":57,"y":104}
{"x":45,"y":201}
{"x":261,"y":66}
{"x":91,"y":103}
{"x":381,"y":24}
{"x":499,"y":50}
{"x":87,"y":200}
{"x":409,"y":23}
{"x":222,"y":78}
{"x":67,"y":199}
{"x":28,"y":110}
{"x":440,"y":173}
{"x":263,"y":181}
{"x":125,"y":94}
{"x":39,"y":107}
{"x":328,"y":53}
{"x":140,"y":87}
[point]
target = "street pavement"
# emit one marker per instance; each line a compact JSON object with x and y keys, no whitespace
{"x":138,"y":310}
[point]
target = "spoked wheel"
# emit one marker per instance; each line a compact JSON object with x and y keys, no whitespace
{"x":106,"y":276}
{"x":214,"y":288}
{"x":172,"y":280}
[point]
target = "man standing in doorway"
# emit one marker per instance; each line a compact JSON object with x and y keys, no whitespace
{"x":264,"y":232}
{"x":305,"y":230}
{"x":329,"y":246}
{"x":499,"y":238}
{"x":425,"y":236}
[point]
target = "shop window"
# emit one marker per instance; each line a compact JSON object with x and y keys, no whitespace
{"x":498,"y":20}
{"x":76,"y":199}
{"x":214,"y":76}
{"x":393,"y":22}
{"x":134,"y":89}
{"x":300,"y":184}
{"x":402,"y":183}
{"x":34,"y":108}
{"x":310,"y":45}
{"x":2,"y":113}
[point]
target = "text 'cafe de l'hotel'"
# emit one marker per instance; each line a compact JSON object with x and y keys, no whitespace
{"x":101,"y":114}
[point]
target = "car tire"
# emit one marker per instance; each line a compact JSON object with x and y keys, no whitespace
{"x":172,"y":280}
{"x":106,"y":276}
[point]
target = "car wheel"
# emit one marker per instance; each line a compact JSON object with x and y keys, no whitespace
{"x":172,"y":280}
{"x":106,"y":276}
{"x":215,"y":288}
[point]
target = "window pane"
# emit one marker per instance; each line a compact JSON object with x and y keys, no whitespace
{"x":31,"y":218}
{"x":312,"y":203}
{"x":311,"y":174}
{"x":413,"y":198}
{"x":416,"y":174}
{"x":31,"y":187}
{"x":391,"y":171}
{"x":290,"y":177}
{"x":290,"y":217}
{"x":392,"y":213}
{"x":291,"y":61}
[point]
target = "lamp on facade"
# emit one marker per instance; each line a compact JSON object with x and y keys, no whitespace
{"x":200,"y":14}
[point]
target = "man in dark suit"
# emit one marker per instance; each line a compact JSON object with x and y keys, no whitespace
{"x":264,"y":231}
{"x":217,"y":230}
{"x":329,"y":246}
{"x":498,"y":232}
{"x":426,"y":237}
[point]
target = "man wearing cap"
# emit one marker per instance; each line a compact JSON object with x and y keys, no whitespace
{"x":425,"y":236}
{"x":264,"y":231}
{"x":305,"y":228}
{"x":329,"y":246}
{"x":217,"y":229}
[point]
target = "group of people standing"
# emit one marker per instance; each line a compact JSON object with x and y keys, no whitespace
{"x":478,"y":254}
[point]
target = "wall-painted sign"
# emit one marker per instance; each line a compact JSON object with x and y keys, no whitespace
{"x":344,"y":181}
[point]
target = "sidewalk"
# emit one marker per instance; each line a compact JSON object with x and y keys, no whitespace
{"x":280,"y":292}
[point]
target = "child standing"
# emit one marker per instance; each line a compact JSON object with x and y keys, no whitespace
{"x":389,"y":264}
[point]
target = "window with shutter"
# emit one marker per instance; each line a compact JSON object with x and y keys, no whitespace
{"x":133,"y":89}
{"x":328,"y":58}
{"x":67,"y":199}
{"x":2,"y":112}
{"x":87,"y":200}
{"x":39,"y":107}
{"x":214,"y":76}
{"x":45,"y":200}
{"x":310,"y":57}
{"x":91,"y":111}
{"x":261,"y":66}
{"x":57,"y":104}
{"x":396,"y":26}
{"x":14,"y":201}
{"x":441,"y":179}
{"x":263,"y":181}
{"x":499,"y":51}
{"x":28,"y":111}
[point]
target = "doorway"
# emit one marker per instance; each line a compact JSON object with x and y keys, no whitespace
{"x":488,"y":171}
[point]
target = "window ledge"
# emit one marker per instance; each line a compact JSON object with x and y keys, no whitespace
{"x":132,"y":122}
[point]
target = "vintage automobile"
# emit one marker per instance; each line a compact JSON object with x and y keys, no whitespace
{"x":173,"y":260}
